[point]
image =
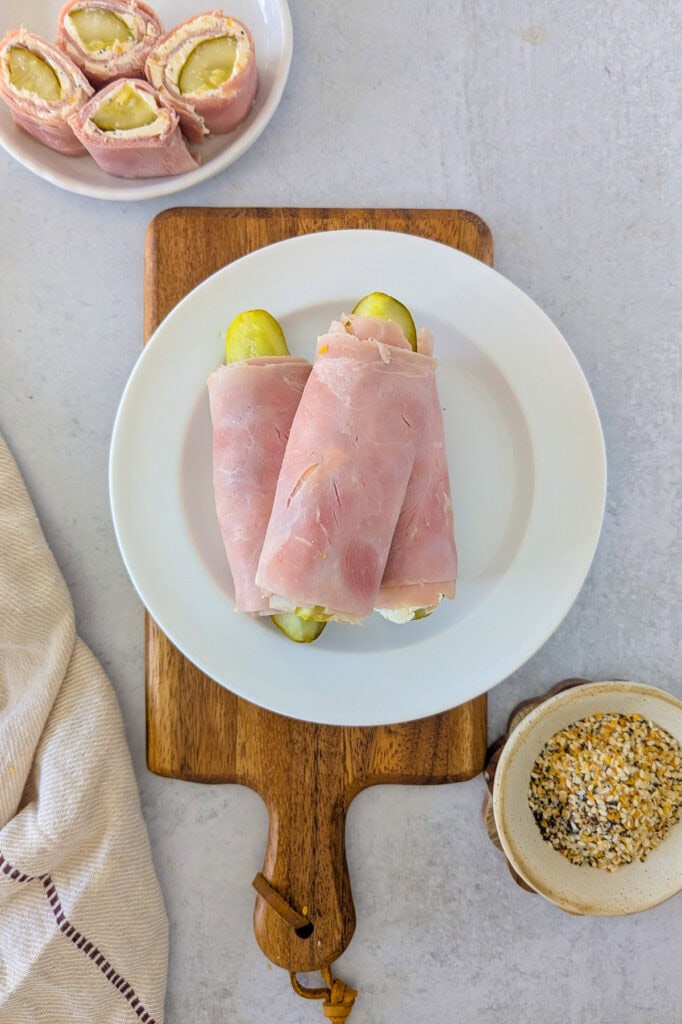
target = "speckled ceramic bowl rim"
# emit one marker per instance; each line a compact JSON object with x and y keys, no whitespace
{"x":573,"y":702}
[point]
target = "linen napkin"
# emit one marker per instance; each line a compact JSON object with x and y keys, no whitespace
{"x":83,"y":930}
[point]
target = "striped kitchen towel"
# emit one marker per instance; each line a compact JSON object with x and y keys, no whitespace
{"x":83,"y":930}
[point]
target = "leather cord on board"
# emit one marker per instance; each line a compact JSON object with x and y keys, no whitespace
{"x":278,"y":903}
{"x":338,"y":997}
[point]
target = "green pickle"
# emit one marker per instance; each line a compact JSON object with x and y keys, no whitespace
{"x":312,"y":613}
{"x":30,"y":73}
{"x":254,"y":333}
{"x":387,"y":308}
{"x":209,"y":65}
{"x":100,"y":29}
{"x":301,"y":631}
{"x":125,"y":110}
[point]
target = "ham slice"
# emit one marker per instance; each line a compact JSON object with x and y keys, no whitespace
{"x":253,"y":403}
{"x":205,"y":111}
{"x":46,"y":120}
{"x":125,"y":58}
{"x":345,"y":475}
{"x":422,"y":563}
{"x":366,"y":327}
{"x":153,"y":150}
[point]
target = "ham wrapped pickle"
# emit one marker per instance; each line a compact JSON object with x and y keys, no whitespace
{"x":422,"y":563}
{"x":206,"y":67}
{"x":132,"y":132}
{"x":331,"y":483}
{"x":253,"y":400}
{"x":362,"y":517}
{"x":108,"y":39}
{"x":345,"y":475}
{"x":43,"y":89}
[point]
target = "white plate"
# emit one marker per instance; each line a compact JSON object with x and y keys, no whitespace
{"x":270,"y":25}
{"x":527,"y":469}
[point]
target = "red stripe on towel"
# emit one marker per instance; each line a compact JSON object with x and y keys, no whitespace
{"x":70,"y":932}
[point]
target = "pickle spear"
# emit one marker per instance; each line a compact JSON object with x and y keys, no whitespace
{"x":385,"y":307}
{"x":312,"y":613}
{"x":100,"y":29}
{"x":123,"y":111}
{"x":29,"y":72}
{"x":208,"y":65}
{"x":301,"y":631}
{"x":256,"y":333}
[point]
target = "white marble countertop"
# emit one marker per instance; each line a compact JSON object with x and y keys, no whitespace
{"x":558,"y":124}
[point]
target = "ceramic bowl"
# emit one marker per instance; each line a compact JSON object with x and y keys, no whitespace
{"x":270,"y":24}
{"x":582,"y":889}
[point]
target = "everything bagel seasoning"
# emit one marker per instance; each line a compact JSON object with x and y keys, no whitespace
{"x":607,"y":789}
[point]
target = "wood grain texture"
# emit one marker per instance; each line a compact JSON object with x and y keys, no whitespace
{"x":307,"y":774}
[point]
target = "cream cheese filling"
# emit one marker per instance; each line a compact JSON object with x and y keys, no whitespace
{"x":403,"y":615}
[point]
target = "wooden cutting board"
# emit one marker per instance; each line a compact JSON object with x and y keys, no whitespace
{"x":307,"y":774}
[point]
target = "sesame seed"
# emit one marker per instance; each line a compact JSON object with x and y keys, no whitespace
{"x":606,"y":790}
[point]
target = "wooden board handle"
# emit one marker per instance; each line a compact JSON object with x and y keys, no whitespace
{"x":305,"y":865}
{"x":308,"y":775}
